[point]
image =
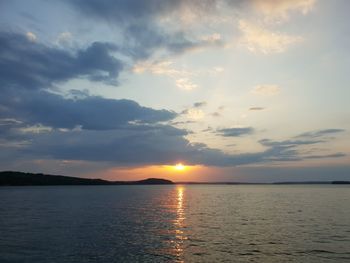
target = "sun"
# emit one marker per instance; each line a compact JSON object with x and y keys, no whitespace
{"x":179,"y":167}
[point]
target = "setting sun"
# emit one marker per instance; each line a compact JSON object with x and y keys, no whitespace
{"x":179,"y":167}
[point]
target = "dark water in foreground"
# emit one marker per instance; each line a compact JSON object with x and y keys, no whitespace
{"x":201,"y":223}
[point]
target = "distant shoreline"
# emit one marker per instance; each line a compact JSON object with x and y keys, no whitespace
{"x":12,"y":178}
{"x":273,"y":183}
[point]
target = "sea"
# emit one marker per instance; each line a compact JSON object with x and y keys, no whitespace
{"x":175,"y":223}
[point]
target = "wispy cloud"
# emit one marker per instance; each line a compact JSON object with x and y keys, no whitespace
{"x":258,"y":39}
{"x":31,"y":36}
{"x":64,"y":38}
{"x":256,"y":108}
{"x":266,"y":90}
{"x":320,"y":133}
{"x":293,"y":149}
{"x":194,"y":113}
{"x":235,"y":132}
{"x":185,"y":84}
{"x":215,"y":114}
{"x":160,"y":68}
{"x":200,"y":104}
{"x":181,"y":77}
{"x":279,"y":10}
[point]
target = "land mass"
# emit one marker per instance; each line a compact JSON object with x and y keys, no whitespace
{"x":274,"y":183}
{"x":10,"y":178}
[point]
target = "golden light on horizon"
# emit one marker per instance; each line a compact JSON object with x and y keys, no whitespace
{"x":179,"y":167}
{"x":176,"y":172}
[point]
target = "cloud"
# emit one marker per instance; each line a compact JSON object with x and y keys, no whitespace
{"x":200,"y":104}
{"x":125,"y":11}
{"x":261,"y":40}
{"x":159,"y":68}
{"x":186,"y":84}
{"x":29,"y":70}
{"x":221,"y":108}
{"x":289,"y":150}
{"x":90,"y":112}
{"x":38,"y":124}
{"x":143,"y":40}
{"x":266,"y":90}
{"x":194,"y":113}
{"x":155,"y":144}
{"x":64,"y":38}
{"x":215,"y":71}
{"x":213,"y":38}
{"x":320,"y":133}
{"x":24,"y":64}
{"x":334,"y":155}
{"x":181,"y":77}
{"x":235,"y":132}
{"x":288,"y":143}
{"x":256,"y":108}
{"x":31,"y":36}
{"x":181,"y":122}
{"x":280,"y":9}
{"x":134,"y":145}
{"x":144,"y":24}
{"x":142,"y":144}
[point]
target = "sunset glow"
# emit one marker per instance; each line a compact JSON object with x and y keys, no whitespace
{"x":179,"y":167}
{"x":124,"y":106}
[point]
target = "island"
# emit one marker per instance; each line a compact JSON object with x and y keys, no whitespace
{"x":11,"y":178}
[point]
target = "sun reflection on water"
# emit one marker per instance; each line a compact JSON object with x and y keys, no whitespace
{"x":179,"y":223}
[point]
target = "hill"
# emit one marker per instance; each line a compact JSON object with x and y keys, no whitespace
{"x":10,"y":178}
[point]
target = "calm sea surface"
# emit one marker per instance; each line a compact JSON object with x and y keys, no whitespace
{"x":197,"y":223}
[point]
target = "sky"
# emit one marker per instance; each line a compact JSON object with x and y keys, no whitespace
{"x":246,"y":90}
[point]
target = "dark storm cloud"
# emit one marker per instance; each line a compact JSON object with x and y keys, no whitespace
{"x":235,"y":132}
{"x":30,"y":65}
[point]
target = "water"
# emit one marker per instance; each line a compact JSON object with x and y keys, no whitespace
{"x":196,"y":223}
